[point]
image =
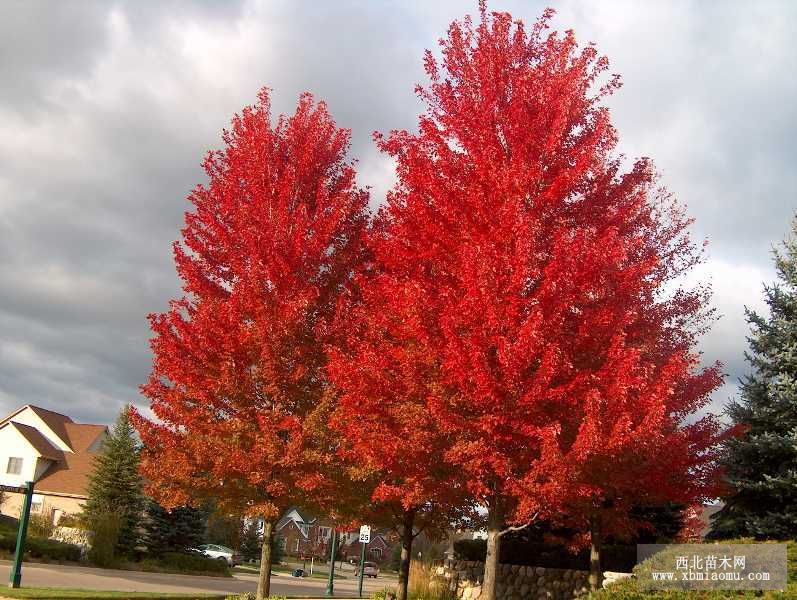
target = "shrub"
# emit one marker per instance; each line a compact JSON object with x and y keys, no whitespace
{"x":193,"y":562}
{"x":75,"y":521}
{"x":614,"y":557}
{"x":105,"y":529}
{"x":8,"y":524}
{"x":423,"y":585}
{"x":41,"y":525}
{"x":41,"y":548}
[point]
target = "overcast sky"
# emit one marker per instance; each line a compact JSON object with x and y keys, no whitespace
{"x":107,"y":108}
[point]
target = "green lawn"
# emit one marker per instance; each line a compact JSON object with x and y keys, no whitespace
{"x":58,"y":593}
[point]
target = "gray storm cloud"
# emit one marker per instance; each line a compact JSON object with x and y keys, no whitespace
{"x":107,"y":109}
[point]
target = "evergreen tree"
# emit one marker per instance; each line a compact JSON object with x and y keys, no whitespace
{"x":115,"y":486}
{"x":762,"y":461}
{"x":173,"y":530}
{"x":251,"y":541}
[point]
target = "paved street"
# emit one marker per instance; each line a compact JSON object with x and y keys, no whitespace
{"x":42,"y":575}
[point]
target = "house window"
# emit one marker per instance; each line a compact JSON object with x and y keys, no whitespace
{"x":324,"y":533}
{"x":14,"y":465}
{"x":376,"y":553}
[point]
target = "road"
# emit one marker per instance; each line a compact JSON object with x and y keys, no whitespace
{"x":68,"y":576}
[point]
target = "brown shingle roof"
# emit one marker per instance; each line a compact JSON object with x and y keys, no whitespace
{"x":81,"y":436}
{"x":55,"y":421}
{"x":71,"y":474}
{"x":68,"y":476}
{"x":37,"y":440}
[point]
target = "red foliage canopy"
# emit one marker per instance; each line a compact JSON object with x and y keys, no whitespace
{"x":537,"y":283}
{"x":238,"y":370}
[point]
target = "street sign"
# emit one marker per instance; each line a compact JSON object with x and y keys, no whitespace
{"x":365,"y":534}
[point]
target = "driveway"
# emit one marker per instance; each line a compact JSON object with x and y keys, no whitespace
{"x":67,"y":576}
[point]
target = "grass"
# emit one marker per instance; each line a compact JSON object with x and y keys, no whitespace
{"x":35,"y":593}
{"x":423,"y":585}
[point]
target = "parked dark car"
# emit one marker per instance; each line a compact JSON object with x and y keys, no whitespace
{"x":298,"y":573}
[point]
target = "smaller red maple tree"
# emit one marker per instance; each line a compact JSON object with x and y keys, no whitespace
{"x":238,"y":366}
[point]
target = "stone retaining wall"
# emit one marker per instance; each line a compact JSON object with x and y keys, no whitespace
{"x":515,"y":582}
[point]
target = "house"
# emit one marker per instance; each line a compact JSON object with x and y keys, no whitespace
{"x":54,"y":452}
{"x":303,"y":535}
{"x":378,"y":550}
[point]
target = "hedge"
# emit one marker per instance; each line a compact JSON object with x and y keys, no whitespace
{"x":191,"y":563}
{"x":539,"y":554}
{"x":41,"y":548}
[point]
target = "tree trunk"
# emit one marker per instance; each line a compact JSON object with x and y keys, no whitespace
{"x":495,"y":524}
{"x":595,"y":573}
{"x":406,"y":555}
{"x":264,"y":580}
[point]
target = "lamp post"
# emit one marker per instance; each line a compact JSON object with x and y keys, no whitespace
{"x":330,"y":581}
{"x":22,"y":532}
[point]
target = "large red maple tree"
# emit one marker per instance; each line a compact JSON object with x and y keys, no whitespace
{"x":238,"y":370}
{"x":548,"y":282}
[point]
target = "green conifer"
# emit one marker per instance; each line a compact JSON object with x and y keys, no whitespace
{"x":115,"y":486}
{"x":762,"y":462}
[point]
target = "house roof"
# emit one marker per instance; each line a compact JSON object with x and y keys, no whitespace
{"x":55,"y":421}
{"x":69,"y":474}
{"x":37,"y":440}
{"x":82,"y":436}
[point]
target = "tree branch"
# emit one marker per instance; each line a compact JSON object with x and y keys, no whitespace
{"x":518,"y":527}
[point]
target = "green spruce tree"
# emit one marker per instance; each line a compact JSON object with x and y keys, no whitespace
{"x":762,"y":461}
{"x":173,"y":530}
{"x":115,"y":488}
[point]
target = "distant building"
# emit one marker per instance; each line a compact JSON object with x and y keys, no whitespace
{"x":302,"y":534}
{"x":378,"y":550}
{"x":54,"y":452}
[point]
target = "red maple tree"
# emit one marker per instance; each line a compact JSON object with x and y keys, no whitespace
{"x":238,"y":370}
{"x":546,"y":281}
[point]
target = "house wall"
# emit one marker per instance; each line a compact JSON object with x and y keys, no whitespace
{"x":46,"y":503}
{"x":12,"y":443}
{"x":28,"y":417}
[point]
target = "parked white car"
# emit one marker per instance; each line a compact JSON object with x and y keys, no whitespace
{"x":221,"y":553}
{"x":369,"y":570}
